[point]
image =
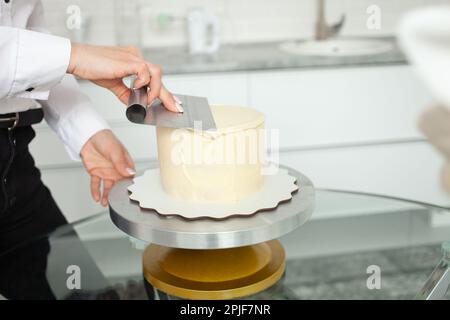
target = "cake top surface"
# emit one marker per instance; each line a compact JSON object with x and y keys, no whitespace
{"x":236,"y":118}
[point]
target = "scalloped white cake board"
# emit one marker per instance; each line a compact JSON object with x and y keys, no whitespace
{"x":147,"y":190}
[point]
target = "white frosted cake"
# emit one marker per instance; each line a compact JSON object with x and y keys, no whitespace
{"x":222,"y":166}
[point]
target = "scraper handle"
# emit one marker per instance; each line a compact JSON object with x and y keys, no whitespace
{"x":137,"y":103}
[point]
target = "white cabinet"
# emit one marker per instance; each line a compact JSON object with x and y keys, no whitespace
{"x":229,"y":89}
{"x":335,"y":110}
{"x":49,"y":152}
{"x":329,"y":106}
{"x":70,"y":186}
{"x":404,"y":170}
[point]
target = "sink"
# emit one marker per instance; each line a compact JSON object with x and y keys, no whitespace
{"x":337,"y":47}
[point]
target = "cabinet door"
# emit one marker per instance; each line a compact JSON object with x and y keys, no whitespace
{"x":219,"y":88}
{"x":409,"y":170}
{"x":329,"y":106}
{"x":49,"y":152}
{"x":70,"y":186}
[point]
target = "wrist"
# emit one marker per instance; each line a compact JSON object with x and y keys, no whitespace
{"x":74,"y":51}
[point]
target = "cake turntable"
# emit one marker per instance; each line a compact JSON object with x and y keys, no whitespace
{"x":212,"y":259}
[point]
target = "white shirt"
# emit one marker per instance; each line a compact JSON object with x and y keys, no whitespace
{"x":33,"y":68}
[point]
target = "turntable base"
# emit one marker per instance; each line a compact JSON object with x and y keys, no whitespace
{"x":214,"y":274}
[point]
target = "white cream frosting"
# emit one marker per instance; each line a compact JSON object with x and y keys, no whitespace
{"x":218,"y":166}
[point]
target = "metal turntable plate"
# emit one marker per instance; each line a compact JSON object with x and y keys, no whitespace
{"x":176,"y":232}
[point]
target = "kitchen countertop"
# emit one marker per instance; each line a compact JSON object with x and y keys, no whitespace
{"x":261,"y":56}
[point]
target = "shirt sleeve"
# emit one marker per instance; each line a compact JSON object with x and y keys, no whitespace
{"x":69,"y":113}
{"x":31,"y":62}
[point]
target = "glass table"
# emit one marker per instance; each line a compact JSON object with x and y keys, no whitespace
{"x":355,"y":246}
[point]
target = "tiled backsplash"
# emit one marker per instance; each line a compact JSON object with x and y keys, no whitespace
{"x":163,"y":21}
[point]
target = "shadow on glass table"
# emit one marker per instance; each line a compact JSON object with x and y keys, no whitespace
{"x":355,"y":246}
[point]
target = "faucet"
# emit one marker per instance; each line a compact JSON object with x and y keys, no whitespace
{"x":323,"y":30}
{"x":438,"y":283}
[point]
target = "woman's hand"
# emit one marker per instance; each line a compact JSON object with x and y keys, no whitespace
{"x":107,"y":66}
{"x":106,"y":160}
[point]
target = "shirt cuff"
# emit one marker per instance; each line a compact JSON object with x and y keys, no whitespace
{"x":78,"y":127}
{"x":42,"y":61}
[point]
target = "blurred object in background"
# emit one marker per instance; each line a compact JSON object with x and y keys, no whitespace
{"x":159,"y":26}
{"x":446,"y":176}
{"x":127,"y":22}
{"x":164,"y":24}
{"x":435,"y":124}
{"x":203,"y":31}
{"x":425,"y":37}
{"x":324,"y":44}
{"x":323,"y":30}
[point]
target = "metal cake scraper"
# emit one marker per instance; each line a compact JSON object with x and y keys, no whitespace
{"x":197,"y":112}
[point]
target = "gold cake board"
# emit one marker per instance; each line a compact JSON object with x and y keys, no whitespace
{"x":214,"y":274}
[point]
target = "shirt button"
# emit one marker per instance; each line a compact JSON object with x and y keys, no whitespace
{"x":6,"y":1}
{"x":29,"y":89}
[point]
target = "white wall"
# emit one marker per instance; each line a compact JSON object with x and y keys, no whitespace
{"x":241,"y":20}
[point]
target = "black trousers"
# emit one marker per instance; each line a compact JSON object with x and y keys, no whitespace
{"x":27,"y":212}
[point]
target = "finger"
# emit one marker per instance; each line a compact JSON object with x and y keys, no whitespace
{"x":122,"y":92}
{"x":120,"y":163}
{"x":107,"y":185}
{"x":143,"y":76}
{"x":129,"y":160}
{"x":155,"y":82}
{"x":95,"y":188}
{"x":169,"y":102}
